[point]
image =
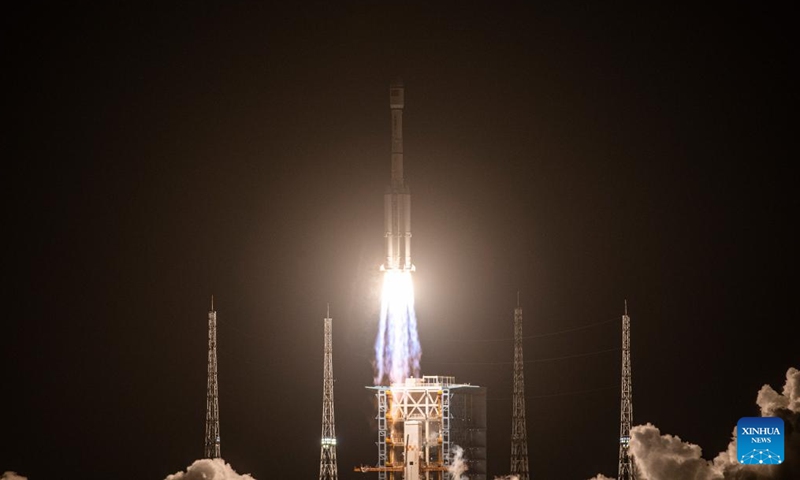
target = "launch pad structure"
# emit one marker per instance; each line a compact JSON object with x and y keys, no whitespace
{"x":422,"y":422}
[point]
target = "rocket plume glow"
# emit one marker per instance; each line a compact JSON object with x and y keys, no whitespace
{"x":397,"y":348}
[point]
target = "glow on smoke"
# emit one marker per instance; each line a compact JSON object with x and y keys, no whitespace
{"x":397,"y":349}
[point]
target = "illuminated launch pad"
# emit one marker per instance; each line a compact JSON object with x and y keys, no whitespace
{"x":422,"y":422}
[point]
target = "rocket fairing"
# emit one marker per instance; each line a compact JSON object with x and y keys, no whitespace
{"x":397,"y":199}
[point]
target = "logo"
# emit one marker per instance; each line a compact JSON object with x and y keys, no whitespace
{"x":759,"y":440}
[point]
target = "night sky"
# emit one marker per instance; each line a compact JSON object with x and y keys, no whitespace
{"x":580,"y":155}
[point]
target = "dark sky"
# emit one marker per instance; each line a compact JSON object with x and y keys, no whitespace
{"x":580,"y":156}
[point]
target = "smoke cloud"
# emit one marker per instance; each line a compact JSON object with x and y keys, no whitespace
{"x":12,"y":476}
{"x":459,"y":465}
{"x":208,"y":469}
{"x":666,"y":457}
{"x":772,"y":403}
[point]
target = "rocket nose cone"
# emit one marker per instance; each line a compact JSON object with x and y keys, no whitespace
{"x":396,"y":94}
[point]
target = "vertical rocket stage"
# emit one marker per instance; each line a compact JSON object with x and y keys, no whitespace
{"x":397,"y":199}
{"x":397,"y":349}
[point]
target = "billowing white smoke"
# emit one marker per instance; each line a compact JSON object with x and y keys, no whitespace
{"x":12,"y":476}
{"x":771,"y":402}
{"x":667,"y":457}
{"x":459,"y":465}
{"x":209,"y":469}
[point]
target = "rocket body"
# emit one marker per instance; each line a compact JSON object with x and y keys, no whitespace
{"x":397,"y":200}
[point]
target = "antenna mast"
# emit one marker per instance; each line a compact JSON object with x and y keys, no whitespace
{"x":327,"y":455}
{"x":212,"y":449}
{"x":627,"y":470}
{"x":519,"y":435}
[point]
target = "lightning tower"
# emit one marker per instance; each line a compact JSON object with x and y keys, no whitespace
{"x":212,"y":449}
{"x":627,"y":470}
{"x":519,"y":434}
{"x":327,"y":455}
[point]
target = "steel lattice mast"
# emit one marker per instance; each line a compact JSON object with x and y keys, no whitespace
{"x":627,"y":469}
{"x":327,"y":455}
{"x":212,"y":449}
{"x":519,"y":434}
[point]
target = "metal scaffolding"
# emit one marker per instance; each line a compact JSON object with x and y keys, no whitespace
{"x":212,"y":447}
{"x":417,"y":422}
{"x":627,"y":469}
{"x":327,"y":455}
{"x":519,"y":434}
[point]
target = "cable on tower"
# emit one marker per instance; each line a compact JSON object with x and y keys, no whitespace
{"x":535,"y":360}
{"x":535,"y":336}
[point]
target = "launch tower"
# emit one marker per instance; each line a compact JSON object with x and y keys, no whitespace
{"x":212,"y":449}
{"x":421,"y":421}
{"x":627,"y":469}
{"x":519,"y":434}
{"x":327,"y":455}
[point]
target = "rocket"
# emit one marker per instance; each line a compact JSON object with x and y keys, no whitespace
{"x":397,"y":199}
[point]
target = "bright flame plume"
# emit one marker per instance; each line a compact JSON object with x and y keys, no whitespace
{"x":397,"y":349}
